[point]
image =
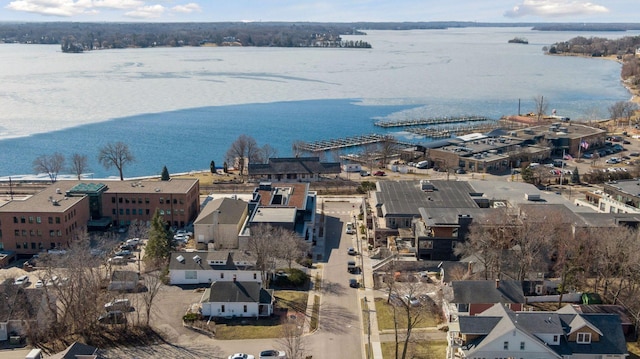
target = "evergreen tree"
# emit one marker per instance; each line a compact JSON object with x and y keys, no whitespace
{"x":225,"y":168}
{"x":212,"y":166}
{"x":575,"y":176}
{"x":165,"y":174}
{"x":159,"y":245}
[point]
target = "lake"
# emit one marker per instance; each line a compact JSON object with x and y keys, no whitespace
{"x":183,"y":107}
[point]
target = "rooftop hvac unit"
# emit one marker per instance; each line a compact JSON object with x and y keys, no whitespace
{"x":196,"y":258}
{"x":180,"y":259}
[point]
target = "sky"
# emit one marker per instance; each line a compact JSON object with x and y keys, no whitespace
{"x":602,"y":11}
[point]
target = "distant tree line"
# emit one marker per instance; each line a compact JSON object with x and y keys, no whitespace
{"x":89,"y":36}
{"x":624,"y":49}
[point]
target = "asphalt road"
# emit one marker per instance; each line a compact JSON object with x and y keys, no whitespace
{"x":340,"y":332}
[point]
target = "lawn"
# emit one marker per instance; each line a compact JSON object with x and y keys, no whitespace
{"x":385,"y":316}
{"x":290,"y":305}
{"x":422,"y":350}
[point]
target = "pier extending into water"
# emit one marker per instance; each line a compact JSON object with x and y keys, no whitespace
{"x":429,"y":121}
{"x":328,"y":145}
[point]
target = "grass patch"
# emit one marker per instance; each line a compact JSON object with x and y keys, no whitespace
{"x":291,"y":300}
{"x":385,"y":316}
{"x":634,"y":350}
{"x":420,"y":350}
{"x":288,"y":302}
{"x":315,"y":313}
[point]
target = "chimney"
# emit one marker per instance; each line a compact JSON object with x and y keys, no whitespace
{"x":497,"y":283}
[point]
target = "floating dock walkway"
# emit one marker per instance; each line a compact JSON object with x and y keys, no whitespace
{"x":429,"y":121}
{"x":327,"y":145}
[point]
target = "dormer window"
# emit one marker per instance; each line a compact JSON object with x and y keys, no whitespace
{"x":583,"y":338}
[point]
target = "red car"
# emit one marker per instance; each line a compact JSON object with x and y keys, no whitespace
{"x":379,"y":173}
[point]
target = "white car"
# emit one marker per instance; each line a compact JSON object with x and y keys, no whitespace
{"x":22,"y":280}
{"x":269,"y":354}
{"x":411,"y":300}
{"x":181,"y":238}
{"x":241,"y":356}
{"x":39,"y":283}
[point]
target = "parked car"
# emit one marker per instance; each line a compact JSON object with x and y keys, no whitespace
{"x":411,"y":300}
{"x":379,"y":173}
{"x":184,"y":232}
{"x":118,"y":260}
{"x":133,"y":241}
{"x":113,"y":317}
{"x":241,"y":356}
{"x":39,"y":283}
{"x":22,"y":280}
{"x":121,"y":304}
{"x":351,"y":251}
{"x":268,"y":354}
{"x":349,"y":228}
{"x":352,"y":267}
{"x":353,"y":283}
{"x":181,"y":238}
{"x":461,"y":171}
{"x":123,"y":253}
{"x":365,"y":173}
{"x":634,"y":154}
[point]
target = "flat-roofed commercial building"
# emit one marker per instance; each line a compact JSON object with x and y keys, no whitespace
{"x":52,"y":217}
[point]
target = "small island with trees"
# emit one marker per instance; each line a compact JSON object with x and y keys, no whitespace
{"x":518,"y":40}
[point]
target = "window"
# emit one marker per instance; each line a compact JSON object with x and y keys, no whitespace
{"x":31,"y":219}
{"x":190,"y":274}
{"x":245,"y":308}
{"x":584,"y":338}
{"x":38,"y":219}
{"x":161,"y":200}
{"x":113,"y":200}
{"x":119,"y":199}
{"x":147,"y":211}
{"x":15,"y":219}
{"x":428,"y":244}
{"x":23,"y":220}
{"x":454,"y":233}
{"x":555,"y":338}
{"x":57,"y":220}
{"x":127,"y":211}
{"x":168,"y":212}
{"x":113,"y":211}
{"x":146,"y":200}
{"x":121,"y":211}
{"x":222,"y":308}
{"x":453,"y":244}
{"x":162,"y":212}
{"x":52,"y":233}
{"x":222,"y":275}
{"x":521,"y":345}
{"x":24,"y":232}
{"x":255,"y":276}
{"x":33,"y":245}
{"x":506,"y":345}
{"x":16,"y":233}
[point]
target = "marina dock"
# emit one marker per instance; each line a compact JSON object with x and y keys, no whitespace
{"x":429,"y":121}
{"x":327,"y":145}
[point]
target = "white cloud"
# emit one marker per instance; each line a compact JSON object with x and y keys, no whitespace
{"x":67,"y":8}
{"x":146,"y":12}
{"x":187,"y":8}
{"x":555,"y":8}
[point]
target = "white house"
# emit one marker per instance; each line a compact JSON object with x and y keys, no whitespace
{"x":200,"y":267}
{"x":499,"y":332}
{"x":24,"y":310}
{"x":220,"y":222}
{"x":237,"y":299}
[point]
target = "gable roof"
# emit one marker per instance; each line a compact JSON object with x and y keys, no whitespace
{"x":486,"y":291}
{"x":18,"y":302}
{"x":229,"y":211}
{"x":238,"y":292}
{"x":227,"y":260}
{"x":495,"y":322}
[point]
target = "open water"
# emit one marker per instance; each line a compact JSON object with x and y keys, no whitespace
{"x":183,"y":107}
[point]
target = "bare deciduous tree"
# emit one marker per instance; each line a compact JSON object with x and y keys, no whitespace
{"x":541,"y":107}
{"x":267,"y":151}
{"x":152,"y":284}
{"x":79,"y":165}
{"x":244,"y":147}
{"x":51,"y":165}
{"x":292,"y":341}
{"x":116,"y":155}
{"x":261,"y":244}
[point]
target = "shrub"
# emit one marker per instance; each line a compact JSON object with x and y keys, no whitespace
{"x":191,"y":317}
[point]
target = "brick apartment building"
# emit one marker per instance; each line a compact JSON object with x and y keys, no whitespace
{"x":51,"y":218}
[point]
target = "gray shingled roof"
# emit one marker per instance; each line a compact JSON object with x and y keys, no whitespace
{"x":189,"y":263}
{"x":230,"y":211}
{"x":239,"y":292}
{"x":485,"y":291}
{"x":310,"y":165}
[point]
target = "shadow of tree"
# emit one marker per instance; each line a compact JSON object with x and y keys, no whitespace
{"x":334,"y":288}
{"x":337,"y":319}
